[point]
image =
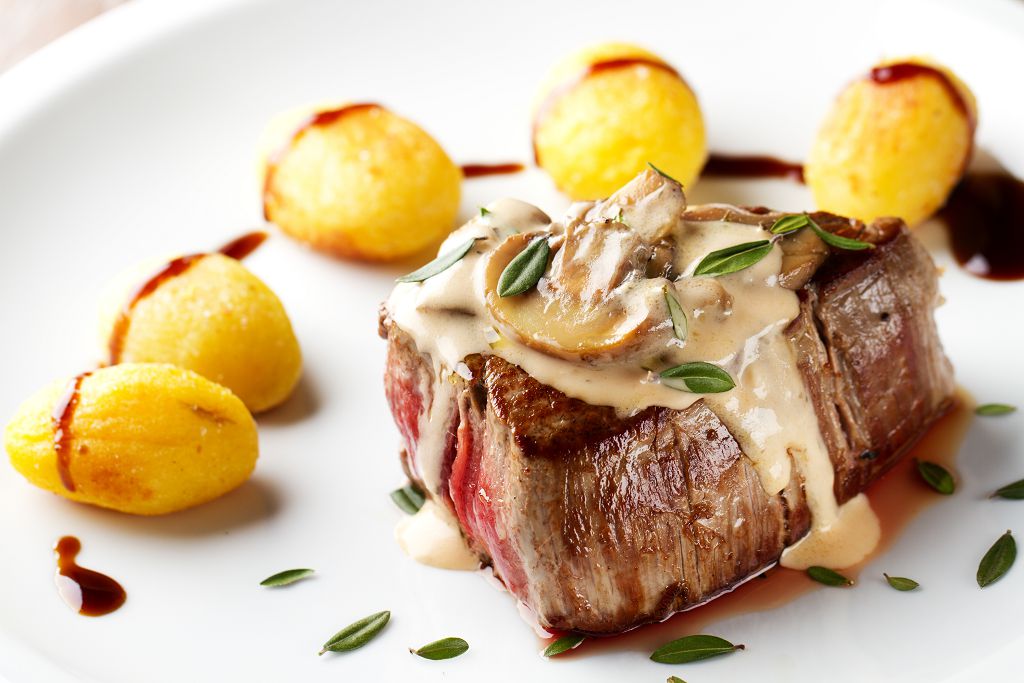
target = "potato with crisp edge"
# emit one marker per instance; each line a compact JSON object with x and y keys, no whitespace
{"x":218,"y":319}
{"x":894,"y":144}
{"x":358,"y":181}
{"x":607,"y":111}
{"x":146,"y":439}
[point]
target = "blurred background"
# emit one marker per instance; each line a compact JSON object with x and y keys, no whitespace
{"x":27,"y":25}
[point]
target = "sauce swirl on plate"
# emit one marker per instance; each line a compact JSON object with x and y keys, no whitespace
{"x":985,"y":219}
{"x":752,"y":166}
{"x":480,"y":170}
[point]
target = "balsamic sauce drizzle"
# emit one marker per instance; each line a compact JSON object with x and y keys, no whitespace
{"x":62,"y":414}
{"x":479,"y":170}
{"x":100,"y":593}
{"x":752,"y":166}
{"x":984,"y":216}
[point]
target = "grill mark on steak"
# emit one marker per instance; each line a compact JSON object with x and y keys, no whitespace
{"x":600,"y":524}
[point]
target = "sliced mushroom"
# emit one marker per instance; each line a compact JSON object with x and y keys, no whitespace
{"x":594,"y":302}
{"x":650,"y":204}
{"x":602,"y":296}
{"x":509,"y":216}
{"x":803,"y":252}
{"x":705,"y":298}
{"x":662,"y":261}
{"x":595,"y":259}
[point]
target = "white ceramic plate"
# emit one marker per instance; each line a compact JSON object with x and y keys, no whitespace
{"x":135,"y":137}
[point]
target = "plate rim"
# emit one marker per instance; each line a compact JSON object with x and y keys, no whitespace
{"x":72,"y":59}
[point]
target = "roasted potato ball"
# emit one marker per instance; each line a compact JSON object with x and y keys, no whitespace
{"x":358,"y":181}
{"x":144,"y":439}
{"x":607,"y":111}
{"x":215,"y":318}
{"x":894,"y":144}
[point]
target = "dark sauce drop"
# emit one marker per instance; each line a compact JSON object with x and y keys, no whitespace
{"x":985,"y":219}
{"x":100,"y":594}
{"x":752,"y":166}
{"x":237,"y":249}
{"x":320,"y":118}
{"x":478,"y":170}
{"x":62,"y":415}
{"x":598,"y":67}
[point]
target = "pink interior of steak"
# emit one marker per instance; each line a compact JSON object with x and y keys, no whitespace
{"x":477,"y":489}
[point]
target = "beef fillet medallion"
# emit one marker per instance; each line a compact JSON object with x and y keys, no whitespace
{"x":634,"y":410}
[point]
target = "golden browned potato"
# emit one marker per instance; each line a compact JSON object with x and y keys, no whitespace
{"x":358,"y":181}
{"x":894,"y":144}
{"x":146,"y":439}
{"x":215,"y":318}
{"x":607,"y":111}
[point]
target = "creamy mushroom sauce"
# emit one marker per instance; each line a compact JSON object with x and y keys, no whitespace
{"x":430,"y":538}
{"x":736,"y":321}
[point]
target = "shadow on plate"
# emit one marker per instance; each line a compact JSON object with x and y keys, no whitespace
{"x":254,"y":502}
{"x":303,"y":403}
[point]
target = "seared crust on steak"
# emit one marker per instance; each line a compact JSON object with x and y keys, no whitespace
{"x":871,"y":358}
{"x":600,"y":523}
{"x":605,"y":523}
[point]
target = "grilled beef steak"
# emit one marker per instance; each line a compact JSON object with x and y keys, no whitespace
{"x":601,"y":522}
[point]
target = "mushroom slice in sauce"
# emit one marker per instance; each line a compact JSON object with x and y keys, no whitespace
{"x":583,"y":309}
{"x":602,"y":296}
